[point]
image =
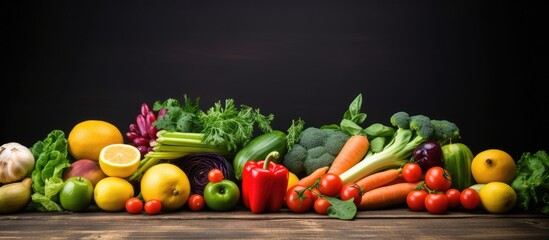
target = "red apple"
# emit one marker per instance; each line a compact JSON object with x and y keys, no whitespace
{"x":85,"y":168}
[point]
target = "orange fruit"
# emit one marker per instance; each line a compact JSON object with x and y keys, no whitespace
{"x":119,"y":160}
{"x":493,"y":165}
{"x":87,"y":138}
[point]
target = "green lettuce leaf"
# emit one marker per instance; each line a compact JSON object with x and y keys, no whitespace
{"x":532,"y":182}
{"x":51,"y":159}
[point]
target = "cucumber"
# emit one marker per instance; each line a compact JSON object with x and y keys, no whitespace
{"x":457,"y":159}
{"x":258,"y":148}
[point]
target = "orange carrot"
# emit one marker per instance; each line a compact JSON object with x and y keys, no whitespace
{"x":352,"y":152}
{"x":310,"y":179}
{"x":378,"y":179}
{"x":399,"y":179}
{"x":386,"y":196}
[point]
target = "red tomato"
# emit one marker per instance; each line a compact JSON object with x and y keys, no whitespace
{"x":469,"y":198}
{"x":299,"y":199}
{"x":315,"y":193}
{"x":453,"y":197}
{"x":153,"y":207}
{"x":416,"y":200}
{"x":196,"y":202}
{"x":215,"y":175}
{"x":330,"y":184}
{"x":351,"y":191}
{"x":321,"y":205}
{"x":411,"y":172}
{"x":436,"y":203}
{"x":134,"y":205}
{"x":437,"y":178}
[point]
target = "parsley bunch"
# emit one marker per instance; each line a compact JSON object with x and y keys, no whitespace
{"x":224,"y":125}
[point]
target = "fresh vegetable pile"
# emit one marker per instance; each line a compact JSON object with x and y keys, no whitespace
{"x":178,"y":156}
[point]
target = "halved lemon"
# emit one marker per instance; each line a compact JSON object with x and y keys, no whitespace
{"x":119,"y":160}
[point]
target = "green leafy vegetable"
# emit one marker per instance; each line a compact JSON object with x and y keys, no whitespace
{"x":232,"y":127}
{"x":294,"y":133}
{"x":532,"y":182}
{"x":179,"y":118}
{"x":51,"y":155}
{"x":222,"y":125}
{"x":345,"y":210}
{"x":352,"y":119}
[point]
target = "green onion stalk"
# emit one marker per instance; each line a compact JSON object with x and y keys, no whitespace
{"x":170,"y":146}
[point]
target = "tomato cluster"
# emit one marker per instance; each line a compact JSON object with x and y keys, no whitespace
{"x":301,"y":198}
{"x":436,"y":195}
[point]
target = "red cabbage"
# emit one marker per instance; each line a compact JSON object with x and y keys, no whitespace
{"x":197,"y":165}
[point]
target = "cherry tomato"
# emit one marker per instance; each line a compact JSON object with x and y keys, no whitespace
{"x":330,"y":184}
{"x":321,"y":205}
{"x":436,"y":203}
{"x":153,"y":207}
{"x":134,"y":205}
{"x":215,"y":175}
{"x":351,"y":191}
{"x":437,"y":178}
{"x":469,"y":198}
{"x":315,"y":193}
{"x":411,"y":172}
{"x":299,"y":199}
{"x":453,"y":197}
{"x":196,"y":202}
{"x":416,"y":200}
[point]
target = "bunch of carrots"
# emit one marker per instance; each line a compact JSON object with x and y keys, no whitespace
{"x":381,"y":189}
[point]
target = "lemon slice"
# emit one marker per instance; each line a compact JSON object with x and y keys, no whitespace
{"x":119,"y":160}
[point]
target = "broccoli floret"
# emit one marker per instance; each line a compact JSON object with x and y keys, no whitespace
{"x":316,"y":148}
{"x":294,"y":159}
{"x":316,"y":152}
{"x":401,"y":120}
{"x":445,"y":131}
{"x":311,"y":164}
{"x":312,"y":137}
{"x":422,"y":126}
{"x":335,"y":142}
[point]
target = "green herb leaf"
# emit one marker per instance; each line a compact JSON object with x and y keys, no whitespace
{"x":294,"y":133}
{"x":345,"y":210}
{"x":231,"y":127}
{"x":179,"y":118}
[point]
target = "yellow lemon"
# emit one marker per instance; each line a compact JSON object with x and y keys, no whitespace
{"x":87,"y":138}
{"x":493,"y":165}
{"x":497,"y":197}
{"x":167,"y":183}
{"x":119,"y":160}
{"x":111,"y":193}
{"x":292,"y":179}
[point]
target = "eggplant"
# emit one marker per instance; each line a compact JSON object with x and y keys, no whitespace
{"x":427,"y":155}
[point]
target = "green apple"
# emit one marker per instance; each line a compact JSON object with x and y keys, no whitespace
{"x":76,"y":194}
{"x":221,"y":196}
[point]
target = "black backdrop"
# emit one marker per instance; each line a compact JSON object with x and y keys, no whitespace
{"x":476,"y":63}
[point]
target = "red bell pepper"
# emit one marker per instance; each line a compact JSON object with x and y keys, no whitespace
{"x":264,"y":184}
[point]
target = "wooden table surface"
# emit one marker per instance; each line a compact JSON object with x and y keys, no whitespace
{"x":394,"y":223}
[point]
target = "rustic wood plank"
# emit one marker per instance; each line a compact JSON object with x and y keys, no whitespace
{"x":240,"y":223}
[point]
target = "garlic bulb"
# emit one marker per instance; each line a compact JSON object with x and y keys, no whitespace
{"x":16,"y":162}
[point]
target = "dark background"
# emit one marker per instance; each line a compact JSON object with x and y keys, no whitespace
{"x":476,"y":63}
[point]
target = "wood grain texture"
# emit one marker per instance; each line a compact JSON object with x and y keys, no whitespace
{"x":238,"y":224}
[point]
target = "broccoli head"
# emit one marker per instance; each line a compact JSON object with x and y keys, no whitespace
{"x":316,"y":148}
{"x":401,"y":120}
{"x":445,"y":131}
